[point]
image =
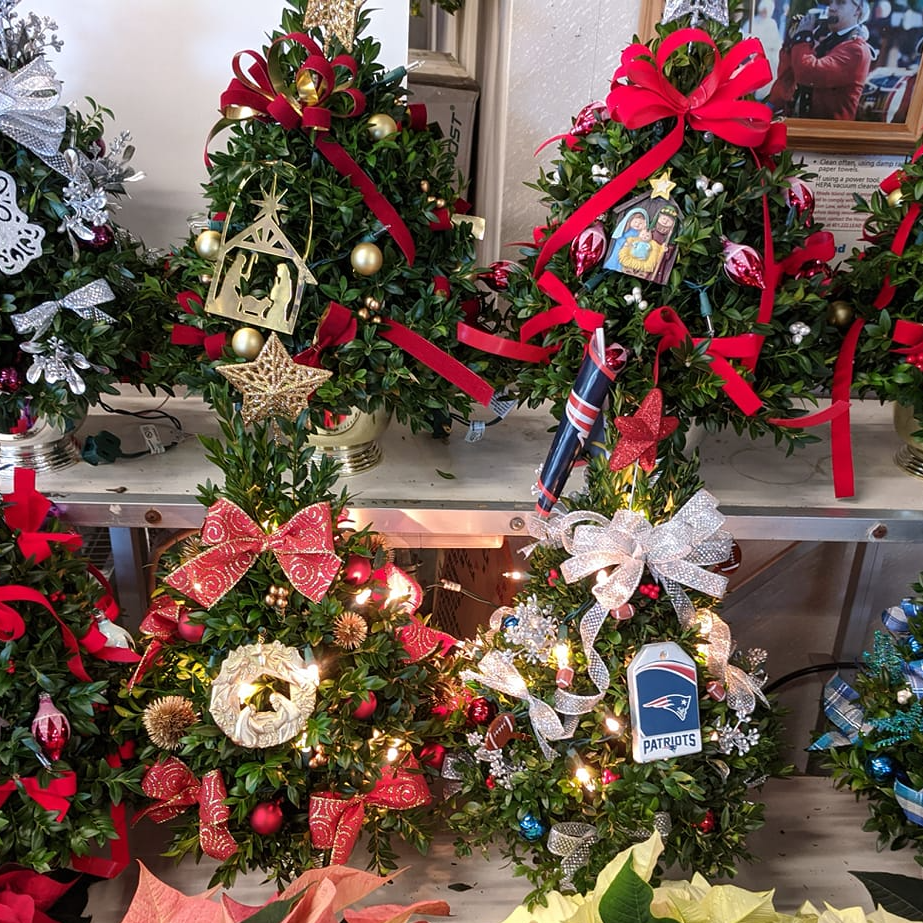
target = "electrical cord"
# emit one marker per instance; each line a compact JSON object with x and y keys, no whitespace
{"x":807,"y":671}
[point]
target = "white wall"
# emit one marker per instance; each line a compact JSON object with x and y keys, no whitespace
{"x":161,"y":67}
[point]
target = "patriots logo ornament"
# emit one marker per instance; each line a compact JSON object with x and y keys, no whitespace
{"x":663,"y":697}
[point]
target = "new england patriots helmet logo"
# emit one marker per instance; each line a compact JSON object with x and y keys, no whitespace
{"x":674,"y":702}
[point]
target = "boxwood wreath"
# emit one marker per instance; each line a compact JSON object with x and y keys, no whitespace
{"x":378,"y":271}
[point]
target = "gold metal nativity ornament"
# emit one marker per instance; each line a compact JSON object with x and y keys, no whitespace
{"x":249,"y":292}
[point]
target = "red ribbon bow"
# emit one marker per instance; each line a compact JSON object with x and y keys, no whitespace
{"x":648,"y":96}
{"x":160,"y":622}
{"x":174,"y":785}
{"x":187,"y":335}
{"x":55,"y":796}
{"x":337,"y":325}
{"x":26,"y":512}
{"x":303,"y":547}
{"x":335,"y":822}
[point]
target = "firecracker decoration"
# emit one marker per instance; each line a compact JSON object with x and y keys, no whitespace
{"x":871,"y":743}
{"x":59,"y":749}
{"x":317,"y":712}
{"x":167,"y":719}
{"x":627,"y":636}
{"x":62,"y":254}
{"x":365,"y":266}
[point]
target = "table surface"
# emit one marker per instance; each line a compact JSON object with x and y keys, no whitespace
{"x":764,"y":493}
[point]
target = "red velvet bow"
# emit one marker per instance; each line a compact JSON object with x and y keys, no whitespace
{"x":303,"y":547}
{"x":335,"y":822}
{"x":55,"y":796}
{"x":187,"y":335}
{"x":337,"y":325}
{"x":26,"y":512}
{"x":648,"y":96}
{"x":174,"y":785}
{"x":666,"y":324}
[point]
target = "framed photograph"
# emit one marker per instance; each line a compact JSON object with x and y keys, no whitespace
{"x":845,"y":73}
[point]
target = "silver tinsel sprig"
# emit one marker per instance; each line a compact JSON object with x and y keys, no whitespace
{"x":733,"y":737}
{"x":56,"y":361}
{"x":534,"y":631}
{"x":501,"y":770}
{"x":22,"y":39}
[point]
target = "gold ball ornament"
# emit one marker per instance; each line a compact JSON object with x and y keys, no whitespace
{"x":840,"y":313}
{"x":366,"y":258}
{"x":372,"y":303}
{"x":363,"y":313}
{"x":895,"y":197}
{"x":381,"y":125}
{"x":424,"y":185}
{"x":207,"y":244}
{"x":247,"y":342}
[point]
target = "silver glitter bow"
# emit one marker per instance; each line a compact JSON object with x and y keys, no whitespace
{"x":675,"y":552}
{"x":743,"y":690}
{"x":58,"y":362}
{"x":29,"y":110}
{"x":567,"y":703}
{"x":497,"y":673}
{"x":572,"y":841}
{"x":83,"y":302}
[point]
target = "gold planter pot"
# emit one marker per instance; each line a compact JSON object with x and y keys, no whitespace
{"x":353,"y":441}
{"x":909,"y":456}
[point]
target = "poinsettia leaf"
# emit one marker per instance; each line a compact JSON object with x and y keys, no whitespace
{"x":155,"y":901}
{"x":351,"y":884}
{"x":898,"y":894}
{"x":396,"y":913}
{"x":627,"y":899}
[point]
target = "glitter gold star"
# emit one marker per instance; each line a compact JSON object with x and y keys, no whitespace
{"x":273,"y":385}
{"x":662,"y":186}
{"x":333,"y":16}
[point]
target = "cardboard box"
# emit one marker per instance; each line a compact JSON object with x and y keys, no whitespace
{"x":451,"y":97}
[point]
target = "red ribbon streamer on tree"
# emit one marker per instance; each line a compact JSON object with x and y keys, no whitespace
{"x":715,"y":105}
{"x":420,"y":640}
{"x":174,"y":785}
{"x":303,"y":547}
{"x":160,"y":622}
{"x":336,"y":822}
{"x":308,"y":106}
{"x":94,"y":641}
{"x":186,"y":335}
{"x":55,"y":796}
{"x":26,"y":512}
{"x":337,"y":325}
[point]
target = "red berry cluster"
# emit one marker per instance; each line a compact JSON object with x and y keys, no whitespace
{"x":650,"y":590}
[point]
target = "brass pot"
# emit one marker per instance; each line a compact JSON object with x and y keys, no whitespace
{"x":353,"y":440}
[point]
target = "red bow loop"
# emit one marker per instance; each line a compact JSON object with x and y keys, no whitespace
{"x":55,"y":796}
{"x":26,"y":511}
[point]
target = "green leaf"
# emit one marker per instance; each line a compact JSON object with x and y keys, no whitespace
{"x":276,"y":911}
{"x":627,"y":899}
{"x":900,"y":894}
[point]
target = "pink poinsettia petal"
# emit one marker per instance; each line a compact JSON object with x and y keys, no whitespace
{"x":396,"y":913}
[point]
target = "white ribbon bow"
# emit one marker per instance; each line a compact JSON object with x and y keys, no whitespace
{"x":675,"y":552}
{"x":743,"y":689}
{"x":29,"y":110}
{"x":83,"y":302}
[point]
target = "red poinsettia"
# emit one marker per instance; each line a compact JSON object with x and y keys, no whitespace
{"x":25,"y":896}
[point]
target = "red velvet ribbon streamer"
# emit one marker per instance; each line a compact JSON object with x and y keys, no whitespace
{"x":666,"y":324}
{"x":175,"y":787}
{"x":55,"y":796}
{"x":335,"y":822}
{"x":186,"y":335}
{"x":715,"y":105}
{"x":94,"y":642}
{"x":303,"y":547}
{"x":26,"y":511}
{"x":12,"y":625}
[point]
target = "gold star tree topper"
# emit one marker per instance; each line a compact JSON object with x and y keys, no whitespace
{"x":273,"y":385}
{"x":333,"y":16}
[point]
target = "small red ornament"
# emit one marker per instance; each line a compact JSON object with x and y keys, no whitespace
{"x":588,"y":248}
{"x":650,"y":590}
{"x":490,"y":782}
{"x":358,"y":569}
{"x":608,"y":777}
{"x":432,"y":755}
{"x":266,"y":818}
{"x":366,"y":708}
{"x":639,"y":434}
{"x":743,"y":264}
{"x":102,"y":239}
{"x":811,"y":268}
{"x":188,"y":630}
{"x":497,"y":276}
{"x":623,"y":613}
{"x":800,"y":197}
{"x":716,"y":690}
{"x":589,"y":117}
{"x":616,"y":357}
{"x":553,"y":576}
{"x":707,"y":823}
{"x":10,"y":380}
{"x":480,"y":711}
{"x":50,"y":727}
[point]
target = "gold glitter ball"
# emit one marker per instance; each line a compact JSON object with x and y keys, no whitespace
{"x":273,"y":385}
{"x":333,"y":16}
{"x":167,"y":720}
{"x":349,"y":630}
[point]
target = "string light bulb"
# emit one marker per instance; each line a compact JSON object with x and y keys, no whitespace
{"x":601,"y":576}
{"x":515,"y":575}
{"x":363,"y":596}
{"x":613,"y":725}
{"x":585,"y":778}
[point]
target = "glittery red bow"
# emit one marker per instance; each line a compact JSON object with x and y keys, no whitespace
{"x":160,"y":623}
{"x":303,"y":547}
{"x":55,"y":796}
{"x":174,"y":785}
{"x":335,"y":822}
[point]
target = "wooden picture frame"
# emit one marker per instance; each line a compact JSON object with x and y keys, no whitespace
{"x":890,"y":115}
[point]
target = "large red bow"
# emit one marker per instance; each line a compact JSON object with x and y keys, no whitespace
{"x":26,"y":512}
{"x":335,"y":822}
{"x":174,"y":785}
{"x":55,"y":796}
{"x":648,"y":96}
{"x":303,"y":547}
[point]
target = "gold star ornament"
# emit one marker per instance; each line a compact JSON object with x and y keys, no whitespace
{"x":333,"y":16}
{"x":662,"y":186}
{"x":273,"y":385}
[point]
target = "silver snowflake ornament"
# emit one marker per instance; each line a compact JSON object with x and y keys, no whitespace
{"x":716,"y":10}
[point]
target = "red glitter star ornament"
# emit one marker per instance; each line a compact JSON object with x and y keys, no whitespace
{"x":639,"y":434}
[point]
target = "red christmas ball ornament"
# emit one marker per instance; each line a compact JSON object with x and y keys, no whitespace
{"x":366,"y":708}
{"x":800,"y":197}
{"x":432,"y":755}
{"x":497,"y":276}
{"x":616,"y":357}
{"x":608,"y":777}
{"x":490,"y":782}
{"x":589,"y":117}
{"x":812,"y":268}
{"x":358,"y":569}
{"x":707,"y":823}
{"x":10,"y":380}
{"x":189,"y":630}
{"x":266,"y":818}
{"x":102,"y":239}
{"x":480,"y":711}
{"x":743,"y":264}
{"x":50,"y":727}
{"x":553,"y":576}
{"x":588,"y":248}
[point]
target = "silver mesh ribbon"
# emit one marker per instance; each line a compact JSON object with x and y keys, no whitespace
{"x":83,"y":302}
{"x":743,"y":690}
{"x":56,"y":361}
{"x":572,"y":841}
{"x":676,"y":552}
{"x":29,"y":110}
{"x":496,"y":673}
{"x":567,"y":703}
{"x":452,"y":774}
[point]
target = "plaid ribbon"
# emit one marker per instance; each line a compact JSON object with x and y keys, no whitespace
{"x":841,"y":710}
{"x":911,"y":802}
